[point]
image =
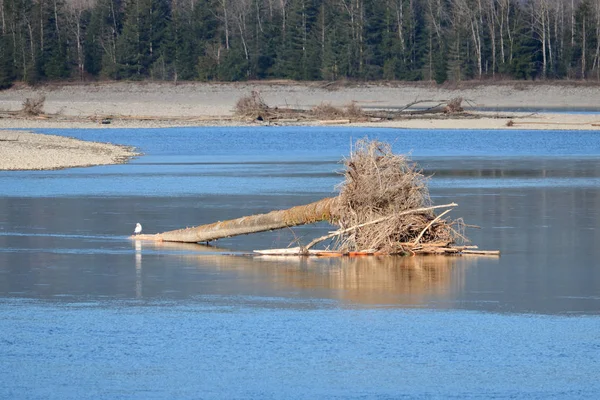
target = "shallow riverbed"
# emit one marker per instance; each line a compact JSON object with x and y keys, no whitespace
{"x":87,"y":313}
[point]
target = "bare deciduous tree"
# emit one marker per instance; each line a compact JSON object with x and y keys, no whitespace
{"x":74,"y":12}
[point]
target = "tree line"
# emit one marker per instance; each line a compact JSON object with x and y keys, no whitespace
{"x":230,"y":40}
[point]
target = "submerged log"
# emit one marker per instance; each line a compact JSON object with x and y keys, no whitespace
{"x":299,"y":215}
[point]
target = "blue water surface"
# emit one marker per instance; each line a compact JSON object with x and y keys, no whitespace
{"x":87,"y":313}
{"x":185,"y":350}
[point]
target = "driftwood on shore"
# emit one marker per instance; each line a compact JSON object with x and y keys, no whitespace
{"x":383,"y":208}
{"x":253,"y":107}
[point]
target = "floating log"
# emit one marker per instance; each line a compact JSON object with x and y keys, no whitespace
{"x":299,"y":215}
{"x":482,"y":252}
{"x":440,"y":250}
{"x":334,"y":121}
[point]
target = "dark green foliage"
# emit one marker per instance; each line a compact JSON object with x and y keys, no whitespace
{"x":524,"y":61}
{"x":6,"y":66}
{"x":305,"y":40}
{"x":440,"y":67}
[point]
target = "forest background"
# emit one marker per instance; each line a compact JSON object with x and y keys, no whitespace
{"x":232,"y":40}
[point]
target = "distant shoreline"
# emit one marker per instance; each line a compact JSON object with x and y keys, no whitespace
{"x":151,"y":104}
{"x":160,"y":105}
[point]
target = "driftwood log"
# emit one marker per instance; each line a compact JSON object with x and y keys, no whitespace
{"x":383,"y":207}
{"x":300,"y":215}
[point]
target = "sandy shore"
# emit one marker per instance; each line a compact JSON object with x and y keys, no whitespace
{"x":20,"y":150}
{"x":148,"y":105}
{"x":124,"y":104}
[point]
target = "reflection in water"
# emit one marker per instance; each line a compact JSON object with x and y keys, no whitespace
{"x":389,"y":280}
{"x":540,"y":210}
{"x":138,"y":269}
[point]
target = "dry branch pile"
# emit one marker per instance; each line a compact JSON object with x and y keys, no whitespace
{"x":252,"y":106}
{"x":327,"y":111}
{"x":34,"y":106}
{"x":454,"y":106}
{"x":351,"y":111}
{"x":381,"y":185}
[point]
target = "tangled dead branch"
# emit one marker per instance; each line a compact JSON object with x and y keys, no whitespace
{"x":34,"y":106}
{"x":326,"y":111}
{"x":252,"y":106}
{"x":381,"y":185}
{"x":454,"y":106}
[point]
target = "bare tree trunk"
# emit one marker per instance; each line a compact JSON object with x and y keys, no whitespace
{"x":412,"y":31}
{"x":361,"y":28}
{"x":509,"y":34}
{"x":304,"y":40}
{"x":137,"y":36}
{"x":300,"y":215}
{"x":492,"y":19}
{"x":73,"y":16}
{"x":597,"y":55}
{"x":549,"y":37}
{"x":400,"y":23}
{"x":350,"y":10}
{"x":283,"y":19}
{"x":24,"y":56}
{"x":501,"y":25}
{"x":242,"y":28}
{"x":14,"y":38}
{"x":572,"y":23}
{"x":561,"y":50}
{"x":80,"y":58}
{"x":56,"y":22}
{"x":475,"y":20}
{"x":583,"y":48}
{"x":31,"y":44}
{"x":41,"y":26}
{"x":323,"y":33}
{"x":3,"y":20}
{"x":226,"y":23}
{"x":477,"y":43}
{"x":115,"y":32}
{"x":544,"y":58}
{"x":430,"y":56}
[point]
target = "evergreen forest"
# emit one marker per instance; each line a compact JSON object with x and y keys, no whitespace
{"x":232,"y":40}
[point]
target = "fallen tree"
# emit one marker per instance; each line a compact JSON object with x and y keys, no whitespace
{"x":383,"y":207}
{"x":299,"y":215}
{"x":253,"y":107}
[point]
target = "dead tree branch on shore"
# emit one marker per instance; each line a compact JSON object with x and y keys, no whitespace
{"x":253,"y":107}
{"x":34,"y":106}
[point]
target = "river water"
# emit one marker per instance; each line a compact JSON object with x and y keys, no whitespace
{"x":86,"y":313}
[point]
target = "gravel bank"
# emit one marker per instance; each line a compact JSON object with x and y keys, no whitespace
{"x":20,"y":150}
{"x":144,"y":105}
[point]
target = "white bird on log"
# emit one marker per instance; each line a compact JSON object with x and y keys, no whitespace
{"x":138,"y":228}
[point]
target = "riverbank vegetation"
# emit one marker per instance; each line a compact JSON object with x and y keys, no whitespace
{"x":219,"y":40}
